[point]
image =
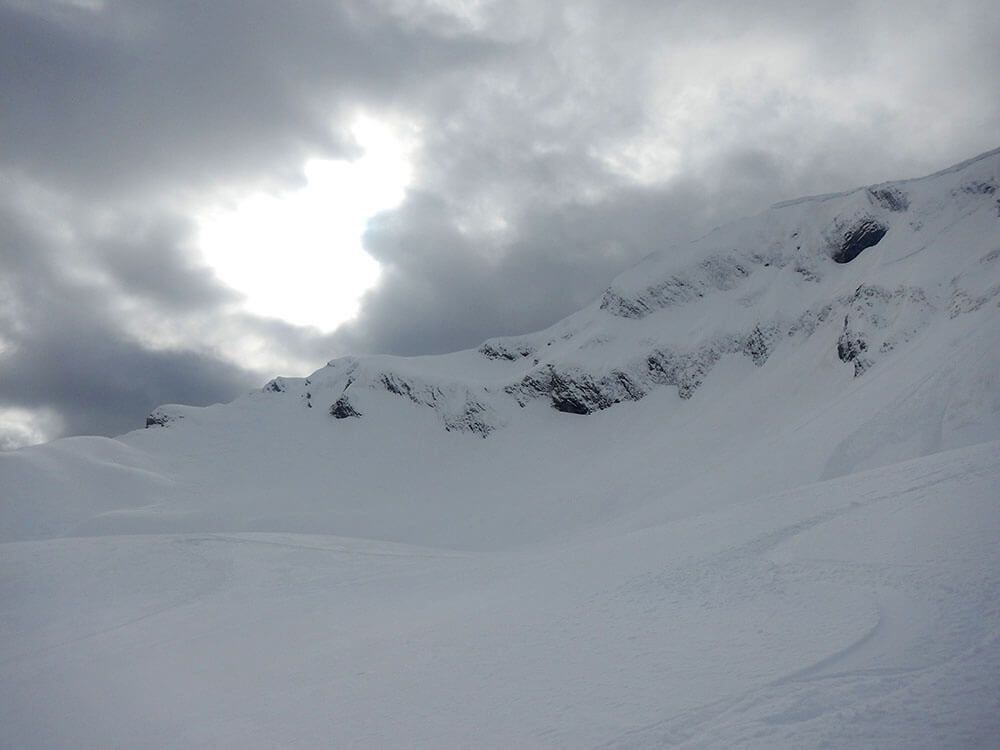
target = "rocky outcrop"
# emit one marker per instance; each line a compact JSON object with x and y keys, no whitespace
{"x":575,"y":391}
{"x":979,"y":187}
{"x":857,"y":238}
{"x":343,"y":409}
{"x":889,"y":197}
{"x":759,"y":343}
{"x":455,"y":404}
{"x":473,"y":417}
{"x":852,"y":348}
{"x":161,"y":418}
{"x":508,"y":349}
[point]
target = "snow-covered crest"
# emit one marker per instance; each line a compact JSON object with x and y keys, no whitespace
{"x":865,"y":270}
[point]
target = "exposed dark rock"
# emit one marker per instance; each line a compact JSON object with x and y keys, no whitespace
{"x":858,"y":238}
{"x":685,"y":371}
{"x":342,"y":409}
{"x":757,"y":346}
{"x":623,"y":307}
{"x":810,"y":320}
{"x":473,"y":418}
{"x":851,"y":347}
{"x":158,"y":418}
{"x":980,"y":187}
{"x":718,"y":273}
{"x":499,"y":349}
{"x":890,"y":197}
{"x":571,"y":395}
{"x":577,"y":392}
{"x":806,"y":273}
{"x":275,"y":386}
{"x":425,"y":395}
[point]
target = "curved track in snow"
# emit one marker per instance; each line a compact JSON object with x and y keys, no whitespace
{"x":863,"y":611}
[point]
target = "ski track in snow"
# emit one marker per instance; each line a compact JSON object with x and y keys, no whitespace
{"x":801,"y":649}
{"x":827,"y":704}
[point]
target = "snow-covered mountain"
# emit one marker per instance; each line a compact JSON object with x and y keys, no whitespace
{"x":748,"y":497}
{"x":824,"y":336}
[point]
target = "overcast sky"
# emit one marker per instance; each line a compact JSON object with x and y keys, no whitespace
{"x":550,"y":145}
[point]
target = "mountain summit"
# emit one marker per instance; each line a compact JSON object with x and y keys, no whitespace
{"x":747,"y":497}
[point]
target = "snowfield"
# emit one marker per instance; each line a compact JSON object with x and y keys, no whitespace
{"x":858,"y":612}
{"x":748,"y":498}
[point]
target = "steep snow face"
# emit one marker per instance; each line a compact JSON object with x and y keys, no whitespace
{"x":825,"y":335}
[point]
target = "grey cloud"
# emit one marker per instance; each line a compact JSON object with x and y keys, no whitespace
{"x":65,"y":353}
{"x":143,"y":93}
{"x":154,"y":260}
{"x":442,"y":290}
{"x":525,"y":152}
{"x":70,"y":338}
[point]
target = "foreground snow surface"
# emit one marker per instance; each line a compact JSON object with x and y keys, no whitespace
{"x":862,"y":611}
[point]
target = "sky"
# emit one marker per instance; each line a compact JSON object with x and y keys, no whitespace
{"x":196,"y":197}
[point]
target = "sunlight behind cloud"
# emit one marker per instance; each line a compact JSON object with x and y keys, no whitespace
{"x":21,"y":427}
{"x":297,"y":255}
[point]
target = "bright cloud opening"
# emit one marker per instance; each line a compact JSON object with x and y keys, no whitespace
{"x":21,"y":427}
{"x":297,"y":255}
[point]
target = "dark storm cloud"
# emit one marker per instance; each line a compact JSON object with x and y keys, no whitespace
{"x":558,"y":143}
{"x":64,"y":352}
{"x":147,"y":93}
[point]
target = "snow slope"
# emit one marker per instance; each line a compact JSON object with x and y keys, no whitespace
{"x":858,"y":612}
{"x":748,"y":497}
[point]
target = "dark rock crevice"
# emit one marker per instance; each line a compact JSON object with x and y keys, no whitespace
{"x":890,"y":197}
{"x":343,"y":409}
{"x":159,"y":418}
{"x":510,"y":351}
{"x":858,"y":238}
{"x":473,"y":418}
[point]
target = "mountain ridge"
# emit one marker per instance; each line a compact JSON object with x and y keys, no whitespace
{"x":572,"y":389}
{"x":748,"y":332}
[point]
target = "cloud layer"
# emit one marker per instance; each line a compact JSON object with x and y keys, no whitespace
{"x":556,"y":144}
